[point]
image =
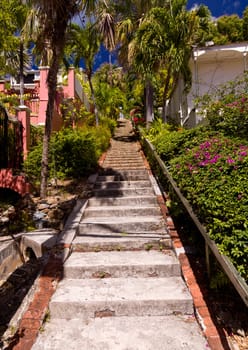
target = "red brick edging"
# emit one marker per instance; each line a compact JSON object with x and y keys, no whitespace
{"x":33,"y":318}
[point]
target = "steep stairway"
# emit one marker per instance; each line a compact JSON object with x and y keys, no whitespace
{"x":122,"y":286}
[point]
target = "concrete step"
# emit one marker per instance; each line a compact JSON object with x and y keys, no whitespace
{"x":122,"y":184}
{"x":138,"y":224}
{"x":121,"y":192}
{"x":123,"y":172}
{"x":109,"y":211}
{"x":124,"y":157}
{"x":122,"y":264}
{"x":154,"y":296}
{"x":124,"y":154}
{"x":95,"y":242}
{"x":120,"y":177}
{"x":123,"y":167}
{"x":174,"y":332}
{"x":123,"y":201}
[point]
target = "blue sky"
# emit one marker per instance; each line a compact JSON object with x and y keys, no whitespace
{"x":217,"y":8}
{"x":222,"y":7}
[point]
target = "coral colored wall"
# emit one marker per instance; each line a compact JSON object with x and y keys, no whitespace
{"x":16,"y":183}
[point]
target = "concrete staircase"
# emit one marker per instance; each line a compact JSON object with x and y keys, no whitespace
{"x":122,"y":285}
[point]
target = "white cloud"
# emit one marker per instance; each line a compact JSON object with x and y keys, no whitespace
{"x":194,"y":6}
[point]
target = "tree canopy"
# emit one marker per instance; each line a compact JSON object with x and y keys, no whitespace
{"x":152,"y":37}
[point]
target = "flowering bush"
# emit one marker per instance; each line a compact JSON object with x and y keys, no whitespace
{"x":138,"y":120}
{"x":214,"y":178}
{"x":211,"y":171}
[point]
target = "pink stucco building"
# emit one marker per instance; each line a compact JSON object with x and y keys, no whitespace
{"x":33,"y":112}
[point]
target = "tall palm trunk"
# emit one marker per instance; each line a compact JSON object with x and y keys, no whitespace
{"x":149,"y":102}
{"x":59,"y":41}
{"x":165,"y":94}
{"x":89,"y":75}
{"x":52,"y":87}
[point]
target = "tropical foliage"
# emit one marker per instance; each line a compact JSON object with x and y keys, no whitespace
{"x":153,"y":38}
{"x":210,"y":166}
{"x":226,"y":108}
{"x":74,"y":152}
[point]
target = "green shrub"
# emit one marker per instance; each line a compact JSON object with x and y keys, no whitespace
{"x":108,"y":123}
{"x":226,"y":108}
{"x":101,"y":137}
{"x":169,"y":144}
{"x":32,"y":165}
{"x":214,"y":178}
{"x":73,"y":153}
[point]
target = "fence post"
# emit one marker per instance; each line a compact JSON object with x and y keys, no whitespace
{"x":23,"y":115}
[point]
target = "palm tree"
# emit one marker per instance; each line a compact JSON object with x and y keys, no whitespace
{"x":130,"y":17}
{"x":15,"y":53}
{"x":54,"y":17}
{"x":84,"y":43}
{"x":165,"y":39}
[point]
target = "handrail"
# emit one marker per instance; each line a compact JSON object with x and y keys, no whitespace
{"x":231,"y":272}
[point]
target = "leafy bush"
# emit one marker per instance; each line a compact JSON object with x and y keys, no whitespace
{"x":226,"y":108}
{"x":32,"y":165}
{"x":169,"y":144}
{"x":73,"y":153}
{"x":210,"y":166}
{"x":108,"y":123}
{"x":205,"y":174}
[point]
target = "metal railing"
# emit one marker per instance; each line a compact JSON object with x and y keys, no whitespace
{"x":227,"y":266}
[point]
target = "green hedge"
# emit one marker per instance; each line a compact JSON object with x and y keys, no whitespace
{"x":211,"y":170}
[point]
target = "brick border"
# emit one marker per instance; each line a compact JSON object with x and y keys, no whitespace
{"x":35,"y":314}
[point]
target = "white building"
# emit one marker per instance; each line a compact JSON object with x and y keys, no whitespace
{"x":210,"y":67}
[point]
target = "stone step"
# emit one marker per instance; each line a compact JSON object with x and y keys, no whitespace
{"x":123,"y":166}
{"x":125,"y":154}
{"x":120,"y":177}
{"x":121,"y":241}
{"x":122,"y":264}
{"x":138,"y":224}
{"x":124,"y":160}
{"x":108,"y":211}
{"x":121,"y":192}
{"x":123,"y":201}
{"x":173,"y":332}
{"x":154,"y":296}
{"x":122,"y":184}
{"x":123,"y":172}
